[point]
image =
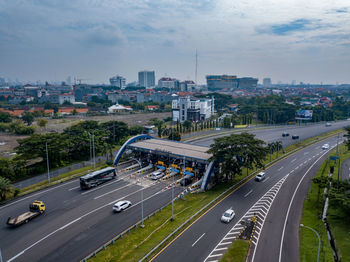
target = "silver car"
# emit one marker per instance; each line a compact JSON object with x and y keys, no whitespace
{"x":261,"y":176}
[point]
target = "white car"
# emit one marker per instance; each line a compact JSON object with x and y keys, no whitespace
{"x":261,"y":176}
{"x":121,"y":205}
{"x":157,"y":174}
{"x":325,"y":146}
{"x":228,"y":215}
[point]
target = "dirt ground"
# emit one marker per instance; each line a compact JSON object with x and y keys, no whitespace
{"x":9,"y":142}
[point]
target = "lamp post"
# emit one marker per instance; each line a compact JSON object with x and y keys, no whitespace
{"x":90,"y":148}
{"x":172,"y":196}
{"x":47,"y":163}
{"x":142,"y":224}
{"x":319,"y":240}
{"x":93,"y":149}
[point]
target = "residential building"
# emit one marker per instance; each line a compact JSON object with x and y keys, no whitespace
{"x":69,"y":97}
{"x":147,"y":79}
{"x":118,"y":81}
{"x":188,"y":85}
{"x":167,"y":82}
{"x":185,"y":108}
{"x":247,"y":82}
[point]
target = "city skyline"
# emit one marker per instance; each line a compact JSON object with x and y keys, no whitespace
{"x":293,"y":40}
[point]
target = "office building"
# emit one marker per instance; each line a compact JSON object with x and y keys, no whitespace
{"x":247,"y":82}
{"x":118,"y":81}
{"x":215,"y":82}
{"x":267,"y":81}
{"x":147,"y":79}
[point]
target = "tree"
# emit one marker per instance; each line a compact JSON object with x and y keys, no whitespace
{"x":347,"y":135}
{"x":28,"y":118}
{"x":237,"y":151}
{"x":174,"y":135}
{"x":42,"y":122}
{"x":5,"y":117}
{"x":5,"y":188}
{"x":187,"y":124}
{"x":340,"y":198}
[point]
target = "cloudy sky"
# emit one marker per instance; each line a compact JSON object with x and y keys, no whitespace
{"x":286,"y":40}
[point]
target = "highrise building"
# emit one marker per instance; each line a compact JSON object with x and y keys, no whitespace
{"x":118,"y":81}
{"x":168,"y":82}
{"x":267,"y":81}
{"x":147,"y":79}
{"x":222,"y":81}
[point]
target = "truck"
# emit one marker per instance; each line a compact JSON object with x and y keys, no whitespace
{"x":35,"y":209}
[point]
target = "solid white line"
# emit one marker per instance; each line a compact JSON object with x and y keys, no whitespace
{"x":223,"y":248}
{"x":99,"y":187}
{"x":290,"y":204}
{"x":195,"y":242}
{"x":216,"y":255}
{"x":41,"y":192}
{"x":248,"y":193}
{"x":225,"y":243}
{"x":110,"y":192}
{"x":228,"y":238}
{"x":73,"y":188}
{"x":280,"y":168}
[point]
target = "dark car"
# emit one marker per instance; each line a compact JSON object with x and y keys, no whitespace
{"x":295,"y":137}
{"x":285,"y":134}
{"x":185,"y":181}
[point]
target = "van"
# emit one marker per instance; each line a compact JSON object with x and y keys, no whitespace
{"x":157,"y":174}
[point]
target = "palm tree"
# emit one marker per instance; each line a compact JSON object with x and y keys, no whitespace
{"x":5,"y":187}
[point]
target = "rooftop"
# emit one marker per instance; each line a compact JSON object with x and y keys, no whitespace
{"x":176,"y":149}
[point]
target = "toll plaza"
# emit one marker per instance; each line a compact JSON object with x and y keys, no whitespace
{"x":189,"y":164}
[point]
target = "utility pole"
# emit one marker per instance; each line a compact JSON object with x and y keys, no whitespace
{"x":93,"y":149}
{"x":338,"y":162}
{"x":90,"y":148}
{"x":47,"y":163}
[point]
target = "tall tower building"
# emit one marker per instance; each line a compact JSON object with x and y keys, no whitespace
{"x":147,"y":78}
{"x":267,"y":81}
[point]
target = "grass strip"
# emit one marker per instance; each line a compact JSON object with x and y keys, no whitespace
{"x":237,"y":252}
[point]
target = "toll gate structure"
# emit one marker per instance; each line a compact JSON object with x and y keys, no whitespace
{"x":172,"y":154}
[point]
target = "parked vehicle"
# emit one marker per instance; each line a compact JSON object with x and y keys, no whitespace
{"x":157,"y":174}
{"x":97,"y":177}
{"x":325,"y":146}
{"x":285,"y":134}
{"x":261,"y":176}
{"x":295,"y":137}
{"x":121,"y":205}
{"x":228,"y":215}
{"x":35,"y":209}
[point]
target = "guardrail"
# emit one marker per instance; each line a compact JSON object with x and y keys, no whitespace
{"x":112,"y":241}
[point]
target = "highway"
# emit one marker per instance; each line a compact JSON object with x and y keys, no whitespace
{"x":208,"y":238}
{"x":77,"y":222}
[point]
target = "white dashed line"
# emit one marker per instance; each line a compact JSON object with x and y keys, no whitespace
{"x":195,"y":242}
{"x":248,"y":193}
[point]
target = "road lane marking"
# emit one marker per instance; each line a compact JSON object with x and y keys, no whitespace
{"x":110,"y":192}
{"x":79,"y":218}
{"x":280,"y":168}
{"x":305,"y":153}
{"x":195,"y":242}
{"x":248,"y":193}
{"x":265,"y":179}
{"x":73,"y":188}
{"x":290,"y":204}
{"x":293,"y":160}
{"x":41,"y":192}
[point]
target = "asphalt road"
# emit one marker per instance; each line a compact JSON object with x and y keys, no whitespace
{"x":77,"y":222}
{"x":198,"y":240}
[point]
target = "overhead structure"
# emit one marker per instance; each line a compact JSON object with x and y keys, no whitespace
{"x":172,"y":153}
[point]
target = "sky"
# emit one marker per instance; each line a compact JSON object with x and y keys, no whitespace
{"x":285,"y":40}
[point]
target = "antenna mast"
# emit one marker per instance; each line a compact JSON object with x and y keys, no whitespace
{"x":196,"y":67}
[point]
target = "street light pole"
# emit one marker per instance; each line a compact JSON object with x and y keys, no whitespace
{"x":47,"y":163}
{"x":90,"y":148}
{"x":142,"y":224}
{"x":93,"y":149}
{"x":319,"y":240}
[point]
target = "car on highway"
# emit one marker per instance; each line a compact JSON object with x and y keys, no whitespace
{"x":121,"y":205}
{"x":157,"y":174}
{"x":328,"y":124}
{"x":295,"y":137}
{"x":260,"y":177}
{"x":228,"y":215}
{"x":285,"y":134}
{"x":325,"y":146}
